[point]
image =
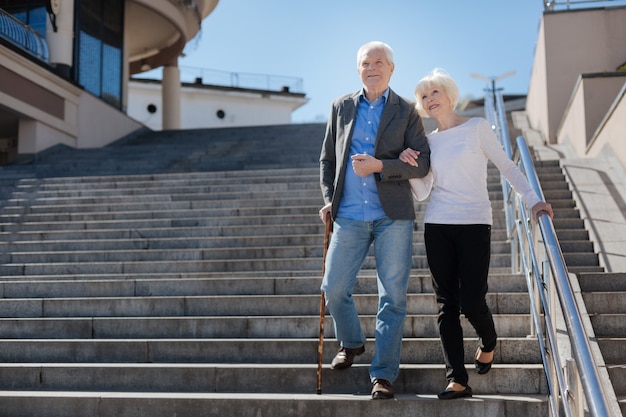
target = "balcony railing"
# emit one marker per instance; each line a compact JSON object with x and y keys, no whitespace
{"x":241,"y":79}
{"x":23,"y":36}
{"x":579,"y":4}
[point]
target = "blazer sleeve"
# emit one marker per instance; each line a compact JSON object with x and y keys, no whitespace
{"x":414,"y":137}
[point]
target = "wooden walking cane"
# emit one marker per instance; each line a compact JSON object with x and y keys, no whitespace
{"x":320,"y":345}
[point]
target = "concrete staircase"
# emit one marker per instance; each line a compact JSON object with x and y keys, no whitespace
{"x":604,"y":295}
{"x":174,"y":287}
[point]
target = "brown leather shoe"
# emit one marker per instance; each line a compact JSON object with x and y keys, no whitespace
{"x":345,"y":357}
{"x":382,"y":390}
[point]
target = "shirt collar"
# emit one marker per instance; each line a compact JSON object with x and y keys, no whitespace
{"x":385,"y":95}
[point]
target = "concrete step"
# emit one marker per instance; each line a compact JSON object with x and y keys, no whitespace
{"x":141,"y":404}
{"x":259,"y":263}
{"x":602,"y":282}
{"x":256,"y":284}
{"x":225,"y":305}
{"x":605,"y":302}
{"x":234,"y":326}
{"x":510,"y":325}
{"x":164,"y":252}
{"x":243,"y":351}
{"x":236,"y":378}
{"x":177,"y":218}
{"x":609,"y":324}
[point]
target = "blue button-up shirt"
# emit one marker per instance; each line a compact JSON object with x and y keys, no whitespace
{"x":359,"y":200}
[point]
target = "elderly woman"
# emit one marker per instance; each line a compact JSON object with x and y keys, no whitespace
{"x":458,"y":221}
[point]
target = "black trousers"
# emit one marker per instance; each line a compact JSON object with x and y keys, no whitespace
{"x":458,"y":258}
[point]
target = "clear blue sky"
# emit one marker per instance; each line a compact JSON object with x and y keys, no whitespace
{"x":317,"y":40}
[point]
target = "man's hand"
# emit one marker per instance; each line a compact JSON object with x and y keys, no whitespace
{"x":325,"y":213}
{"x":364,"y":165}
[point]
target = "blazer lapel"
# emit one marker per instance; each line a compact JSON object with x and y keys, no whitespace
{"x":349,"y":119}
{"x":389,"y":112}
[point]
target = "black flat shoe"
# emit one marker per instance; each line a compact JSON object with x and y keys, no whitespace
{"x":481,"y":368}
{"x":451,"y":395}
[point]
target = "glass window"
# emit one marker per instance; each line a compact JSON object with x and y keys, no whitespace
{"x":100,"y":41}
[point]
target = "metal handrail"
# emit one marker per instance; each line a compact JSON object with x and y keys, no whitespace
{"x":23,"y":36}
{"x":544,"y":280}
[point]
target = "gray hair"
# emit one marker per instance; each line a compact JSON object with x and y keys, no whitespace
{"x":375,"y":45}
{"x":436,"y":78}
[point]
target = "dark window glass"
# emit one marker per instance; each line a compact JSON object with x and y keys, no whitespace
{"x":90,"y":64}
{"x":100,"y":41}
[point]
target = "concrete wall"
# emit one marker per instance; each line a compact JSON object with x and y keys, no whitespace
{"x":592,"y":99}
{"x":571,"y":43}
{"x":612,"y":131}
{"x":49,"y":110}
{"x":537,"y":98}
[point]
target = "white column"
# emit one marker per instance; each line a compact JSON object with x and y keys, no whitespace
{"x":61,"y":42}
{"x":171,"y":96}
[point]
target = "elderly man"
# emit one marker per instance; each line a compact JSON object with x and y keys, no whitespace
{"x":366,"y":191}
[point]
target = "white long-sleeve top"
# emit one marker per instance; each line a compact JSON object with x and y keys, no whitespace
{"x":458,"y":160}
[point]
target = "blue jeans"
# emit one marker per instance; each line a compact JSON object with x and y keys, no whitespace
{"x":393,"y":247}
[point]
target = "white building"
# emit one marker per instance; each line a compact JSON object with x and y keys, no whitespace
{"x":206,"y":106}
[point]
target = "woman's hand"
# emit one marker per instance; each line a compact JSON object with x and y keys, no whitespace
{"x":542,"y":207}
{"x":409,"y":156}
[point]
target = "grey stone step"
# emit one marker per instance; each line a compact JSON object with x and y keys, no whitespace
{"x":509,"y":325}
{"x":164,"y":210}
{"x":222,"y":378}
{"x":572,"y":235}
{"x":558,"y":194}
{"x":162,"y":244}
{"x":188,"y":184}
{"x":567,"y":224}
{"x":86,"y":182}
{"x":125,"y":231}
{"x":574,"y":259}
{"x":605,"y":302}
{"x":116,"y":286}
{"x":295,"y":250}
{"x":154,"y":202}
{"x":617,"y":373}
{"x":576,"y":246}
{"x":225,"y":305}
{"x":172,"y":327}
{"x":276,"y":222}
{"x":609,"y":325}
{"x":115,"y":404}
{"x":243,"y":351}
{"x":612,"y":349}
{"x":197,"y":266}
{"x":164,"y":192}
{"x":315,"y":228}
{"x":602,"y":282}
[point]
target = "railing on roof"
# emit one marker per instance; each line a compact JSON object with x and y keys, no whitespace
{"x":577,"y":4}
{"x":548,"y":280}
{"x":23,"y":36}
{"x":241,"y":79}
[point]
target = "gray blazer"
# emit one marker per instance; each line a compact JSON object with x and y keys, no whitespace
{"x":400,"y":128}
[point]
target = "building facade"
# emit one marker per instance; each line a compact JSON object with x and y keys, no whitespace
{"x":65,"y":67}
{"x":577,"y":91}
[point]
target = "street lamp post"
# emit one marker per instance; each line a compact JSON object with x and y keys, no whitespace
{"x":493,"y":80}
